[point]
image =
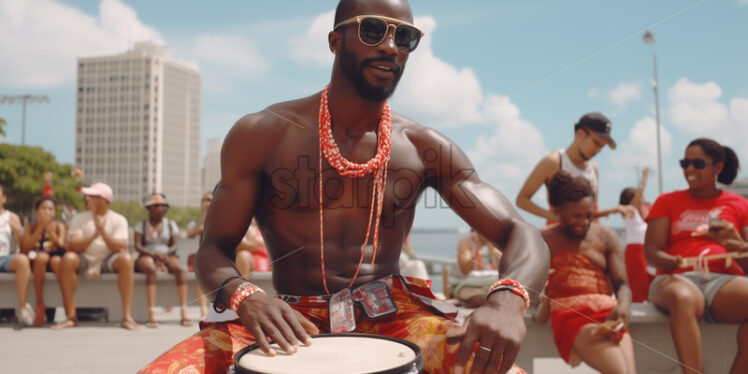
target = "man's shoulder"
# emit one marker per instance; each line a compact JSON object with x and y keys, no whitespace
{"x":606,"y":234}
{"x":297,"y":113}
{"x":116,"y":217}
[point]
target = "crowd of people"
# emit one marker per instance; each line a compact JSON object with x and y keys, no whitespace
{"x":97,"y":241}
{"x":685,"y":253}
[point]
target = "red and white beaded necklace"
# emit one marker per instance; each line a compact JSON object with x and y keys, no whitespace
{"x":376,"y":165}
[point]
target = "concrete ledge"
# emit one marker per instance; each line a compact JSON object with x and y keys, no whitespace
{"x":654,"y":351}
{"x":104,"y":292}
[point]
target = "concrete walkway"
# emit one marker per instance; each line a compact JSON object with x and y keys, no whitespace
{"x":92,"y":347}
{"x":96,"y":347}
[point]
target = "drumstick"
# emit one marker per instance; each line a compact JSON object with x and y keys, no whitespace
{"x":706,"y":259}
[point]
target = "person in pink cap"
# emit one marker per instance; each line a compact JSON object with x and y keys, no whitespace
{"x":98,"y":242}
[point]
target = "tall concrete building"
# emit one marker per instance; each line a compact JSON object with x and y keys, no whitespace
{"x":138,"y":125}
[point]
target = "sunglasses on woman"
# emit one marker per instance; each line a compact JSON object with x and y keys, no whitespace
{"x":698,"y":163}
{"x":373,"y":29}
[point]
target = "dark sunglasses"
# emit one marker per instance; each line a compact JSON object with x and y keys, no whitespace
{"x":373,"y":29}
{"x":698,"y":163}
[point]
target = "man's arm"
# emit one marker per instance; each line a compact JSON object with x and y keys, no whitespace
{"x":498,"y":325}
{"x":618,"y":276}
{"x":246,"y":149}
{"x":543,"y":171}
{"x":77,"y":242}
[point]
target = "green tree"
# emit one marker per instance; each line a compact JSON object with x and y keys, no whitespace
{"x":21,"y":173}
{"x":2,"y":124}
{"x":136,"y":212}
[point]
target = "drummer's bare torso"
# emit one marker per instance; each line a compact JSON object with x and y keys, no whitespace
{"x":287,"y":210}
{"x":595,"y":246}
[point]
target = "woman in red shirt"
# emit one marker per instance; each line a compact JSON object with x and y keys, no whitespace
{"x":686,"y":226}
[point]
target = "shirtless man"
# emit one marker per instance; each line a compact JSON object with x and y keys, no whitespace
{"x":591,"y":134}
{"x":270,"y":165}
{"x":588,"y":323}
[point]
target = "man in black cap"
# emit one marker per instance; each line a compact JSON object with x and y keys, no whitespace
{"x":591,"y":134}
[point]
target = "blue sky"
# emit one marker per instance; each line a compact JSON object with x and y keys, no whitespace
{"x":505,"y":80}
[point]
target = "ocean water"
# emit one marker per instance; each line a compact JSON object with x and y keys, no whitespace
{"x":441,"y":243}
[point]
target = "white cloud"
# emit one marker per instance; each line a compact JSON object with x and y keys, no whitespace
{"x":742,"y":2}
{"x":639,"y":149}
{"x":311,"y":49}
{"x":504,"y":158}
{"x":695,"y":109}
{"x":228,"y":53}
{"x":435,"y":92}
{"x":624,"y":94}
{"x":44,"y":39}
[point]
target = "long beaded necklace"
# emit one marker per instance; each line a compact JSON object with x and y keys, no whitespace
{"x":376,"y":165}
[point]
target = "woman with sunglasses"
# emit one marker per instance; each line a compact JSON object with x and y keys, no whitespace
{"x":683,"y":227}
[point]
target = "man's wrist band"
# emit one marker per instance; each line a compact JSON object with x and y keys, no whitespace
{"x":217,"y":305}
{"x":513,"y":286}
{"x":245,"y":290}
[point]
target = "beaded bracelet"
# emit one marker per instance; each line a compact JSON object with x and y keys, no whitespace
{"x":511,"y":285}
{"x":244,"y":291}
{"x":217,"y":305}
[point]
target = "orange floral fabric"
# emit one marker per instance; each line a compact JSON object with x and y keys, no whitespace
{"x":580,"y":294}
{"x":212,"y":349}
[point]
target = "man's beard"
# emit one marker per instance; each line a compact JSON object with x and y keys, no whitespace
{"x":354,"y":71}
{"x":573,"y":234}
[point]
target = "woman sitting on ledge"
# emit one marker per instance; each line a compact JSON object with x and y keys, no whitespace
{"x":687,"y":227}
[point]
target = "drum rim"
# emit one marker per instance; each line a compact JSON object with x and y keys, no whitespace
{"x":418,"y":362}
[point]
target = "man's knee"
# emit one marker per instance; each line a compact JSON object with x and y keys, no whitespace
{"x":123,"y":263}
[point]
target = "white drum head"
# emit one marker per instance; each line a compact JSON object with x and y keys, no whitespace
{"x":328,"y":354}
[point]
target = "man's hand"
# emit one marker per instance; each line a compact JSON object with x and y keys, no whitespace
{"x":271,"y":317}
{"x":494,"y":331}
{"x":621,"y":313}
{"x":98,"y":223}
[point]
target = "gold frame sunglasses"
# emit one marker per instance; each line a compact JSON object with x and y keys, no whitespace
{"x":370,"y":31}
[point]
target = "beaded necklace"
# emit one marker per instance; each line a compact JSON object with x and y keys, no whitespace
{"x":376,"y":165}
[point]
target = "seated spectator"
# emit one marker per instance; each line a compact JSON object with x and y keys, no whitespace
{"x":478,"y":260}
{"x":44,"y":243}
{"x":633,"y":208}
{"x":410,"y":265}
{"x":588,"y":323}
{"x":687,"y":227}
{"x":251,"y":254}
{"x":10,"y":261}
{"x":98,"y":242}
{"x":193,"y":231}
{"x":155,"y":241}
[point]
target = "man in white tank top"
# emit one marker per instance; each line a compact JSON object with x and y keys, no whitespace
{"x":591,"y":134}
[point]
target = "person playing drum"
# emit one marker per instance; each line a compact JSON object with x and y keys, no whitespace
{"x":333,"y":180}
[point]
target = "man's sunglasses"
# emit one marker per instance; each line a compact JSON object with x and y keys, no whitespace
{"x":698,"y":163}
{"x":373,"y":29}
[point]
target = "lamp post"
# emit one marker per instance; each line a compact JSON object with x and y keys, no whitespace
{"x":649,"y":39}
{"x":24,"y":99}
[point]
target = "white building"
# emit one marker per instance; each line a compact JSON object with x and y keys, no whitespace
{"x":138,"y":125}
{"x":212,"y":165}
